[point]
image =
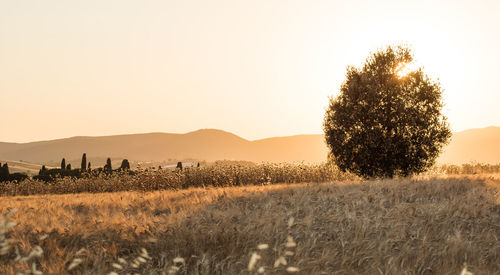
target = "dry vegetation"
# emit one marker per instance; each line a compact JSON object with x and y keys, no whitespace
{"x":218,"y":174}
{"x":221,"y":174}
{"x":408,"y":226}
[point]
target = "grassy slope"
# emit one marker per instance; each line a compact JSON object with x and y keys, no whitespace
{"x":419,"y":226}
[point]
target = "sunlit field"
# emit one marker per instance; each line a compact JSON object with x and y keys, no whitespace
{"x":423,"y":225}
{"x":219,"y":174}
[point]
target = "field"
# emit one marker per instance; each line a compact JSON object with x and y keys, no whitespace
{"x":424,"y":225}
{"x":219,"y":174}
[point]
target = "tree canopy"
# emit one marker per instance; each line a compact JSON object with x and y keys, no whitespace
{"x":385,"y":122}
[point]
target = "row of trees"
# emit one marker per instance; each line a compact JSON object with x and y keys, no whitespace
{"x":66,"y":170}
{"x":84,"y":167}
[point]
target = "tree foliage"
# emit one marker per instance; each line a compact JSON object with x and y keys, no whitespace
{"x":4,"y":172}
{"x":125,"y":165}
{"x":382,"y":124}
{"x":108,"y":167}
{"x":83,"y":166}
{"x":5,"y":168}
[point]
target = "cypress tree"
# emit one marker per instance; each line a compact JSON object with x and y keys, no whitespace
{"x":84,"y":162}
{"x":2,"y":173}
{"x":88,"y":167}
{"x":108,"y":165}
{"x":42,"y":170}
{"x":68,"y":167}
{"x":63,"y":164}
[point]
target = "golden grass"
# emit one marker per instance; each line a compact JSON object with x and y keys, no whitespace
{"x":426,"y":225}
{"x":222,"y":174}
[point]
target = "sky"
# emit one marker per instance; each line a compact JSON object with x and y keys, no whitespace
{"x":258,"y":68}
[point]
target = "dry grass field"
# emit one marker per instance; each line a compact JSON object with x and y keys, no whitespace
{"x":219,"y":174}
{"x":426,"y":225}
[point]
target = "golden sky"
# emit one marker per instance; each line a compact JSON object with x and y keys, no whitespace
{"x":256,"y":68}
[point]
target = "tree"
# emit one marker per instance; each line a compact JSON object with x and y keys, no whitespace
{"x":88,"y":167}
{"x":4,"y":172}
{"x":385,"y":123}
{"x":179,"y":165}
{"x":43,"y":170}
{"x":68,"y":167}
{"x":125,"y":165}
{"x":108,"y":167}
{"x":6,"y":169}
{"x":84,"y":162}
{"x":63,"y":164}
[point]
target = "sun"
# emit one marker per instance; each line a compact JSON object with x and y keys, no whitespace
{"x":403,"y":69}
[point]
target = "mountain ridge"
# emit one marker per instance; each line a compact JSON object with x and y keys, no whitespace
{"x":479,"y":145}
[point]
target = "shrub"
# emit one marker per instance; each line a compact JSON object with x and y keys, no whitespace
{"x":17,"y":177}
{"x":52,"y":174}
{"x":125,"y":165}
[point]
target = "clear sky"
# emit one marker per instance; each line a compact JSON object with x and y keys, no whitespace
{"x":257,"y":68}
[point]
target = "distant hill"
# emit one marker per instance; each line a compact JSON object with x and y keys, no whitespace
{"x":207,"y":144}
{"x":474,"y":145}
{"x":481,"y":145}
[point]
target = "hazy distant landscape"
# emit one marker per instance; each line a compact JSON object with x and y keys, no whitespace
{"x":474,"y":145}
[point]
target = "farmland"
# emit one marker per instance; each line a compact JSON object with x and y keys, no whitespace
{"x":219,"y":174}
{"x":421,"y":225}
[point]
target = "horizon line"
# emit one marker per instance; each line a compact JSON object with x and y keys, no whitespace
{"x":193,"y":131}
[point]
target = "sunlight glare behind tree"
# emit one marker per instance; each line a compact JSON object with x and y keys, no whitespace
{"x":387,"y":119}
